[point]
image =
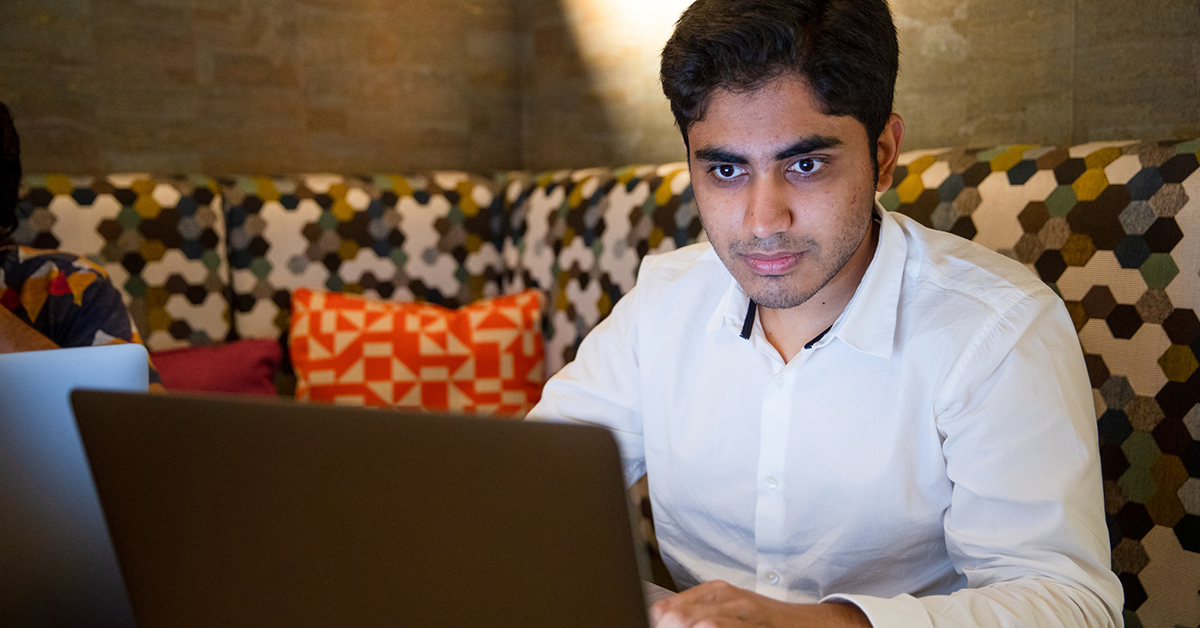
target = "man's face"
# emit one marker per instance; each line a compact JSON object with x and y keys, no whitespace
{"x":785,"y":192}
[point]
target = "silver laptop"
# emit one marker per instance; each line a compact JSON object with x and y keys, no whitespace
{"x":57,"y":566}
{"x":239,"y":513}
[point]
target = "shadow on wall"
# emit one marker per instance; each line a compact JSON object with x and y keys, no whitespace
{"x":590,"y":83}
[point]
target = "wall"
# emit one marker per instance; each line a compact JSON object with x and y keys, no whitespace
{"x":1059,"y":71}
{"x":223,"y":86}
{"x":974,"y":72}
{"x":590,"y":79}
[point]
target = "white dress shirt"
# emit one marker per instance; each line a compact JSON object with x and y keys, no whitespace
{"x":931,"y":459}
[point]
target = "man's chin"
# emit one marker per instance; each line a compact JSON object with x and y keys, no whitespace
{"x":773,"y":297}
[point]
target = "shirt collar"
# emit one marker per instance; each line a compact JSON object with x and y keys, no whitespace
{"x":869,"y":321}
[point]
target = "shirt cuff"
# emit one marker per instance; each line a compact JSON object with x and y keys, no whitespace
{"x":902,"y":611}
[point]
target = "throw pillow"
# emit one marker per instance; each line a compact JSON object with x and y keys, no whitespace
{"x":486,"y":357}
{"x":244,"y":366}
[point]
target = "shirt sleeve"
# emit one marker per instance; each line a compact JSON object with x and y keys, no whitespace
{"x":102,"y":319}
{"x":1026,"y":519}
{"x":602,"y":385}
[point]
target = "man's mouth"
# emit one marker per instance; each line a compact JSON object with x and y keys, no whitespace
{"x":771,"y":263}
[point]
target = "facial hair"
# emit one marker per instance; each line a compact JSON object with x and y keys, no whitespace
{"x":782,"y":291}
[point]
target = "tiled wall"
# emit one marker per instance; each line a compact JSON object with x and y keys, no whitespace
{"x":221,"y":86}
{"x":261,"y":86}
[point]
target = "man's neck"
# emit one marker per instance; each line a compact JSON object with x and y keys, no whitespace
{"x":788,"y":330}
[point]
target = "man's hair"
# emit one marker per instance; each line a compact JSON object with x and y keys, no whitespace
{"x":845,"y":49}
{"x":10,"y":173}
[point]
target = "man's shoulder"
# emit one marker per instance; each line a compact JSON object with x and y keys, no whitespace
{"x":693,"y":259}
{"x":688,"y":279}
{"x":944,"y":265}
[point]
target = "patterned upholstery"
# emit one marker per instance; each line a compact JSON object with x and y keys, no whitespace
{"x":161,"y":239}
{"x":581,"y":235}
{"x":434,"y":237}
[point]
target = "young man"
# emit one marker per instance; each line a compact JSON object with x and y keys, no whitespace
{"x":846,"y":418}
{"x":50,"y":299}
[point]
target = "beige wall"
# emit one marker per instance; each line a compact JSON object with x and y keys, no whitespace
{"x":224,"y":86}
{"x":973,"y":72}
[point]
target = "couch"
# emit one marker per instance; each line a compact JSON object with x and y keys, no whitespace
{"x":1113,"y":227}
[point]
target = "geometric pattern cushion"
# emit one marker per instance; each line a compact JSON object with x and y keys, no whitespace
{"x":432,"y":237}
{"x":580,"y":236}
{"x":1114,"y":228}
{"x":160,"y":239}
{"x":485,"y":357}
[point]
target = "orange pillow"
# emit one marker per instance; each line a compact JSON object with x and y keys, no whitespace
{"x":486,"y":357}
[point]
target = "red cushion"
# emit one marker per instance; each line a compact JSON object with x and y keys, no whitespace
{"x":244,"y":366}
{"x":486,"y":357}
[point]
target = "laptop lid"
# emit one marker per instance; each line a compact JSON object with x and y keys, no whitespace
{"x":58,"y":564}
{"x":238,"y":513}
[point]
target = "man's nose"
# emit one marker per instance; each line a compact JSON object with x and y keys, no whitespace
{"x":767,"y":210}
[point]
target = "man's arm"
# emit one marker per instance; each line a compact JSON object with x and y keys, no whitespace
{"x":101,"y":317}
{"x":1026,"y":519}
{"x":602,"y":386}
{"x":16,"y":335}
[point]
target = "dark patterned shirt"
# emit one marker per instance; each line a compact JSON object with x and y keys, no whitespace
{"x":66,"y":298}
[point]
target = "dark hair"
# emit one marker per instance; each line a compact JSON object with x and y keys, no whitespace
{"x":845,"y":49}
{"x":10,"y":173}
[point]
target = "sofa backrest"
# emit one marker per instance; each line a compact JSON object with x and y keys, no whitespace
{"x":580,"y":236}
{"x":160,"y":238}
{"x":1113,"y":227}
{"x":431,"y":237}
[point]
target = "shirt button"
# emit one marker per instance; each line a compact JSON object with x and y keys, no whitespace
{"x":771,"y":577}
{"x":781,"y":381}
{"x":772,"y":481}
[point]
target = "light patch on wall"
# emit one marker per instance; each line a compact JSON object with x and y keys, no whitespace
{"x":620,"y":42}
{"x":648,"y":22}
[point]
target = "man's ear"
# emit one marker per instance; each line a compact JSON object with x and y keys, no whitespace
{"x":887,"y":151}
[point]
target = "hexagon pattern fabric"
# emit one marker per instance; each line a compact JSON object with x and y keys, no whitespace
{"x":161,"y":240}
{"x":581,"y":235}
{"x":434,"y":237}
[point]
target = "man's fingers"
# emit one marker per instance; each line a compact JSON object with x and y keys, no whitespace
{"x":703,"y":606}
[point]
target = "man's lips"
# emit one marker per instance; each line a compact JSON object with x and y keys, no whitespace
{"x":772,"y":263}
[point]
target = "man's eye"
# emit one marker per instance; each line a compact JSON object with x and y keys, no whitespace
{"x":807,"y":165}
{"x":727,"y":171}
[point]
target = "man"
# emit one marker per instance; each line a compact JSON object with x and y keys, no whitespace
{"x":846,"y":419}
{"x":50,"y":299}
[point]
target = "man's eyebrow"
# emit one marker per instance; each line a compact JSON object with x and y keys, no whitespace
{"x":808,"y":144}
{"x":720,"y":155}
{"x":802,"y":146}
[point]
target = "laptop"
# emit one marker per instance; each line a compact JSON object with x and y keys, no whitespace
{"x":57,"y":566}
{"x":238,"y":513}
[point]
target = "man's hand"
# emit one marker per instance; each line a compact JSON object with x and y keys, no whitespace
{"x":15,"y":335}
{"x":719,"y":604}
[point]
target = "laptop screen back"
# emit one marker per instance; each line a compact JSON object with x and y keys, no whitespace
{"x":235,"y":513}
{"x":58,"y":564}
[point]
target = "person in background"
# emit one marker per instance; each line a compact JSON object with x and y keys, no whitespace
{"x":845,"y":418}
{"x":51,"y":299}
